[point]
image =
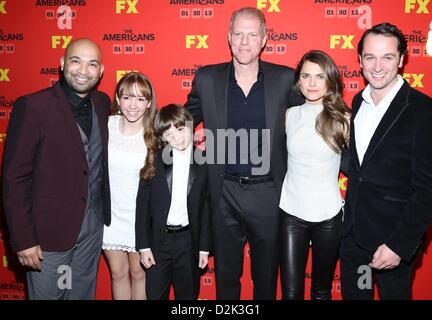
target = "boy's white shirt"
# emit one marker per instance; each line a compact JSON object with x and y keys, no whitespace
{"x":178,"y":212}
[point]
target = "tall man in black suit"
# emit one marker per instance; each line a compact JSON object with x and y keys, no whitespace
{"x":55,"y":178}
{"x":389,"y":196}
{"x":248,"y":98}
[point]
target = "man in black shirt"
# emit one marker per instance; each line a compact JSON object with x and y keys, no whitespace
{"x":247,"y":99}
{"x":55,"y":178}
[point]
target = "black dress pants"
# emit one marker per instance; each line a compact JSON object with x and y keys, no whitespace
{"x":176,"y":264}
{"x":296,"y":235}
{"x":248,"y":212}
{"x":393,"y":284}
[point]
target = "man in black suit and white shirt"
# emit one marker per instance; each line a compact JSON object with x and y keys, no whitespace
{"x":244,"y":98}
{"x":389,"y":196}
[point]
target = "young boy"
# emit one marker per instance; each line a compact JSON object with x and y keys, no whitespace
{"x":172,"y":213}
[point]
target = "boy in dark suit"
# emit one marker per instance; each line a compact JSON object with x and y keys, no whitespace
{"x":172,"y":215}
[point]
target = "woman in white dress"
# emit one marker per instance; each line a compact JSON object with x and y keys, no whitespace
{"x":317,"y":133}
{"x":130,"y":131}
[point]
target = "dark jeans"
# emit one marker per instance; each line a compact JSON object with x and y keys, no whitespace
{"x":393,"y":284}
{"x":296,"y":235}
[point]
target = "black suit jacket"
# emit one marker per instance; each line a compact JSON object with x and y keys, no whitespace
{"x":207,"y":102}
{"x":389,"y":196}
{"x":154,"y":201}
{"x":45,"y":178}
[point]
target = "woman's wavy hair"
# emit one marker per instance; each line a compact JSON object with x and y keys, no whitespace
{"x":131,"y":84}
{"x":332,"y":124}
{"x":171,"y":114}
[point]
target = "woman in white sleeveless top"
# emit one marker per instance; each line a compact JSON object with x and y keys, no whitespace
{"x":130,"y":130}
{"x":317,"y":132}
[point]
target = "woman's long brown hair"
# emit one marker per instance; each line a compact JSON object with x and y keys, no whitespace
{"x":130,"y":84}
{"x":332,"y":124}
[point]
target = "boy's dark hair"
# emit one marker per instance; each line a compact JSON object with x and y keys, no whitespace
{"x":170,"y":114}
{"x":173,"y":114}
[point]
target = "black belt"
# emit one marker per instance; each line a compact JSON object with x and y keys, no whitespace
{"x":248,"y":180}
{"x":174,"y":229}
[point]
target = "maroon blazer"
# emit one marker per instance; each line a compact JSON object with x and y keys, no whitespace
{"x":45,"y":171}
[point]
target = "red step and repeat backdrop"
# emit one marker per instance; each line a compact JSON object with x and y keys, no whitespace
{"x":168,"y":40}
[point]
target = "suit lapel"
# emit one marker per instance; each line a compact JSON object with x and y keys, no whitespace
{"x":164,"y":183}
{"x":168,"y":169}
{"x":101,"y":118}
{"x":271,"y":98}
{"x":192,"y":174}
{"x":220,"y":85}
{"x":69,"y":120}
{"x":396,"y":108}
{"x":168,"y":176}
{"x":355,"y":108}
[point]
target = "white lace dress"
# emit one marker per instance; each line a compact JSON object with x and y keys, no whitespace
{"x":126,"y":155}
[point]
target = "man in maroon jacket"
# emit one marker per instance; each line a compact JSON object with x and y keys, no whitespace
{"x":55,"y":178}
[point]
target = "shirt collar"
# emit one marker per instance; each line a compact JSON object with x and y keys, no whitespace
{"x":73,"y":99}
{"x":313,"y":109}
{"x":260,"y":76}
{"x":388,"y":98}
{"x":185,"y":155}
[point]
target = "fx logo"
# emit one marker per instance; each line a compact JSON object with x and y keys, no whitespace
{"x":121,"y":6}
{"x":192,"y":38}
{"x":2,"y":7}
{"x":335,"y":41}
{"x":121,"y":73}
{"x":422,"y":6}
{"x":416,"y":79}
{"x":274,"y":5}
{"x":4,"y":75}
{"x":60,"y":40}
